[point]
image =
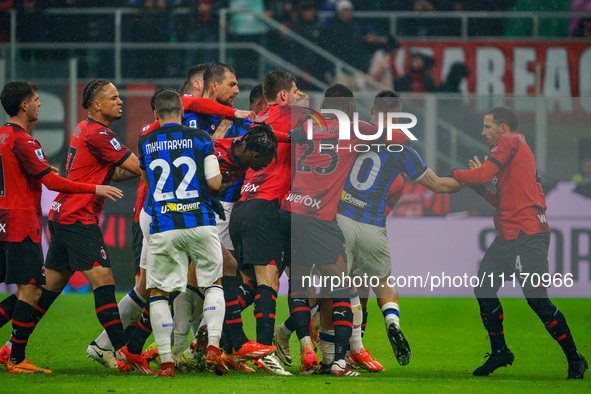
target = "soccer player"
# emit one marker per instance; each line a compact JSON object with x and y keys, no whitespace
{"x":195,"y":79}
{"x":178,"y":163}
{"x":133,"y":303}
{"x":301,"y":98}
{"x":257,"y":99}
{"x":24,"y":168}
{"x":221,"y":86}
{"x":361,"y":217}
{"x":77,"y":244}
{"x":255,"y":229}
{"x":523,"y":237}
{"x":323,"y":165}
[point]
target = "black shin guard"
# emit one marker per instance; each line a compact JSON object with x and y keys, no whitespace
{"x":233,"y":332}
{"x":107,"y":312}
{"x":555,"y":324}
{"x":491,"y":313}
{"x":264,"y":312}
{"x":246,"y":293}
{"x":342,"y":320}
{"x":23,"y":324}
{"x":299,"y":311}
{"x":7,"y":309}
{"x":141,"y":333}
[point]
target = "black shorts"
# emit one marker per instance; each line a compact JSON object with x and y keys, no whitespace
{"x":522,"y":257}
{"x":137,"y":239}
{"x":255,"y":230}
{"x":21,"y":263}
{"x":315,"y":241}
{"x":77,"y":247}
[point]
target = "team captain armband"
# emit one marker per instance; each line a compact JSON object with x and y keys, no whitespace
{"x":211,"y":166}
{"x":63,"y":185}
{"x":477,"y":176}
{"x":206,"y":107}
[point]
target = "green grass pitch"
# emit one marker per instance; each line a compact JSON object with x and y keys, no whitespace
{"x":446,"y":337}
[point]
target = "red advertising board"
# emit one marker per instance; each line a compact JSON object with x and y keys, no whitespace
{"x":512,"y":67}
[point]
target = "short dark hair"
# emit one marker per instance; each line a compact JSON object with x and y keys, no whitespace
{"x":196,"y":69}
{"x":14,"y":93}
{"x":338,"y":90}
{"x":387,"y":100}
{"x":504,"y":115}
{"x":168,"y":104}
{"x":261,"y":139}
{"x":338,"y":96}
{"x":276,"y":81}
{"x":185,"y":88}
{"x":216,"y":72}
{"x":256,"y":93}
{"x":90,"y":91}
{"x":156,"y":93}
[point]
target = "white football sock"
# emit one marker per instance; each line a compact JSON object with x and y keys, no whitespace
{"x":285,"y":330}
{"x":129,"y":310}
{"x":327,"y":345}
{"x":391,"y":317}
{"x":161,"y":320}
{"x":183,"y":313}
{"x":214,"y":310}
{"x":355,"y":342}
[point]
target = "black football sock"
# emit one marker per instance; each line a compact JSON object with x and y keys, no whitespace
{"x":141,"y":333}
{"x":364,"y":323}
{"x":265,"y":304}
{"x":233,"y":319}
{"x":47,"y":298}
{"x":491,"y":313}
{"x":23,"y":324}
{"x":299,"y":310}
{"x":107,"y":312}
{"x":342,"y":320}
{"x":246,"y":293}
{"x":129,"y":330}
{"x":556,"y":325}
{"x":7,"y":308}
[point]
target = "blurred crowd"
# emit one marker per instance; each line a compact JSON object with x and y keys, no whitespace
{"x":362,"y":42}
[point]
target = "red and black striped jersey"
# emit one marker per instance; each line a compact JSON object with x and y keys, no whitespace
{"x":22,"y":164}
{"x":94,"y":153}
{"x":273,"y":181}
{"x":229,"y":165}
{"x":519,"y":201}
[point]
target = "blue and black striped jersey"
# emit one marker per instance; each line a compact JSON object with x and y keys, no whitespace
{"x":364,"y":197}
{"x":173,"y":157}
{"x":210,"y":124}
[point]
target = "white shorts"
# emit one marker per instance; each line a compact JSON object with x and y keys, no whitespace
{"x":368,"y":246}
{"x":145,"y":222}
{"x":170,"y":252}
{"x":223,"y":226}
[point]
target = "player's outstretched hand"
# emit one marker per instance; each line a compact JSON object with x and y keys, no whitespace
{"x":249,"y":115}
{"x":111,"y":192}
{"x":55,"y":170}
{"x":476,"y":162}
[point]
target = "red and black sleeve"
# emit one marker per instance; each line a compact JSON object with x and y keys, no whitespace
{"x":206,"y":107}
